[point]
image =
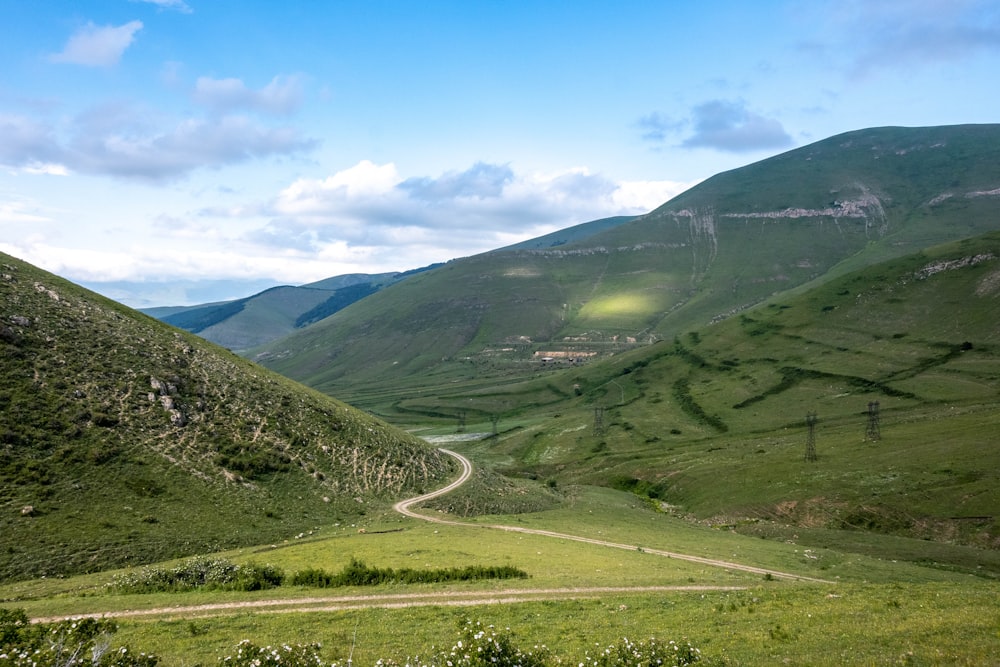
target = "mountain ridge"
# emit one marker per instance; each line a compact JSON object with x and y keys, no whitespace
{"x":723,"y":246}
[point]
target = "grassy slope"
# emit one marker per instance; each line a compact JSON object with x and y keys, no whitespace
{"x":123,"y":440}
{"x":729,"y":243}
{"x":910,"y":187}
{"x":714,"y":422}
{"x":264,"y":317}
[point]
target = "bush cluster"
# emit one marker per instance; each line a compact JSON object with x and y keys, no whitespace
{"x":480,"y":646}
{"x":79,"y":643}
{"x":484,"y":646}
{"x":87,"y":643}
{"x":686,"y":402}
{"x":249,"y":654}
{"x":644,"y":654}
{"x":222,"y":574}
{"x":357,"y":573}
{"x":204,"y":573}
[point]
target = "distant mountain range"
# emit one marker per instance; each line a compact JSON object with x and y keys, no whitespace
{"x":275,"y":312}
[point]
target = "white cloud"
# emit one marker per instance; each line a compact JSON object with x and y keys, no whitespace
{"x":283,"y":95}
{"x":188,"y":145}
{"x":481,"y":181}
{"x":363,"y":181}
{"x":729,"y":126}
{"x":98,"y":46}
{"x":25,"y":141}
{"x":647,"y":195}
{"x":458,"y":213}
{"x":18,"y":212}
{"x":47,"y":169}
{"x":865,"y":36}
{"x":129,"y":143}
{"x":657,"y":126}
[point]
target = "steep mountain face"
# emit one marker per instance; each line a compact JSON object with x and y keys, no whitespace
{"x":123,"y":440}
{"x":793,"y":220}
{"x":821,"y":210}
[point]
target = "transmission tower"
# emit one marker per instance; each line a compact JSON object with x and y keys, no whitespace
{"x":461,"y":421}
{"x":811,"y":440}
{"x":495,"y":419}
{"x":598,"y":421}
{"x":873,"y":432}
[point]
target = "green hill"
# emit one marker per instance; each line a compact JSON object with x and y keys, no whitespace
{"x":273,"y":313}
{"x":899,"y":362}
{"x":123,"y":440}
{"x":792,"y":221}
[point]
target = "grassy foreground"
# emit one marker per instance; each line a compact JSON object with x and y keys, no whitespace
{"x":878,"y":612}
{"x":884,"y":624}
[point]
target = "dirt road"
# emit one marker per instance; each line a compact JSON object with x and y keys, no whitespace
{"x":455,"y":598}
{"x":403,"y":507}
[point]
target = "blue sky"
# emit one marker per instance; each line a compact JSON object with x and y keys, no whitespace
{"x":170,"y":152}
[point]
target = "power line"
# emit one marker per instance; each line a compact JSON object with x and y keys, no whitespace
{"x":873,"y":432}
{"x":598,"y":421}
{"x":811,"y":438}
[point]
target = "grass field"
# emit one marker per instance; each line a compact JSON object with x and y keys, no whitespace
{"x":878,"y":611}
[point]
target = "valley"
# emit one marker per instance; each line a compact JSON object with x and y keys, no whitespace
{"x":761,"y":418}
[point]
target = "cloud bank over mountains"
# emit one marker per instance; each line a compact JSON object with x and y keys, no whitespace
{"x":368,"y":218}
{"x":487,"y":204}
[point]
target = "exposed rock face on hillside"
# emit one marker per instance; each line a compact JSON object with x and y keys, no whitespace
{"x":103,"y":408}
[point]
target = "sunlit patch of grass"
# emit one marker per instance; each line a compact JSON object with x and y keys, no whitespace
{"x":623,"y":304}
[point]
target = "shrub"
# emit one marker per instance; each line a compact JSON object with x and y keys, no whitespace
{"x":479,"y":646}
{"x":357,"y":573}
{"x":313,"y":577}
{"x":484,"y":646}
{"x":206,"y":573}
{"x":78,"y":643}
{"x":249,"y":654}
{"x":627,"y":653}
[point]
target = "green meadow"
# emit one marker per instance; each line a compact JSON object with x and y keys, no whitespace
{"x":873,"y":611}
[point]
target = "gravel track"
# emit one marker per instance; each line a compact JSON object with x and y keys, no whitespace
{"x":403,"y":507}
{"x":448,"y":599}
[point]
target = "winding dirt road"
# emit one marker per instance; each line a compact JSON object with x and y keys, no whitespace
{"x":403,"y":507}
{"x":448,"y":599}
